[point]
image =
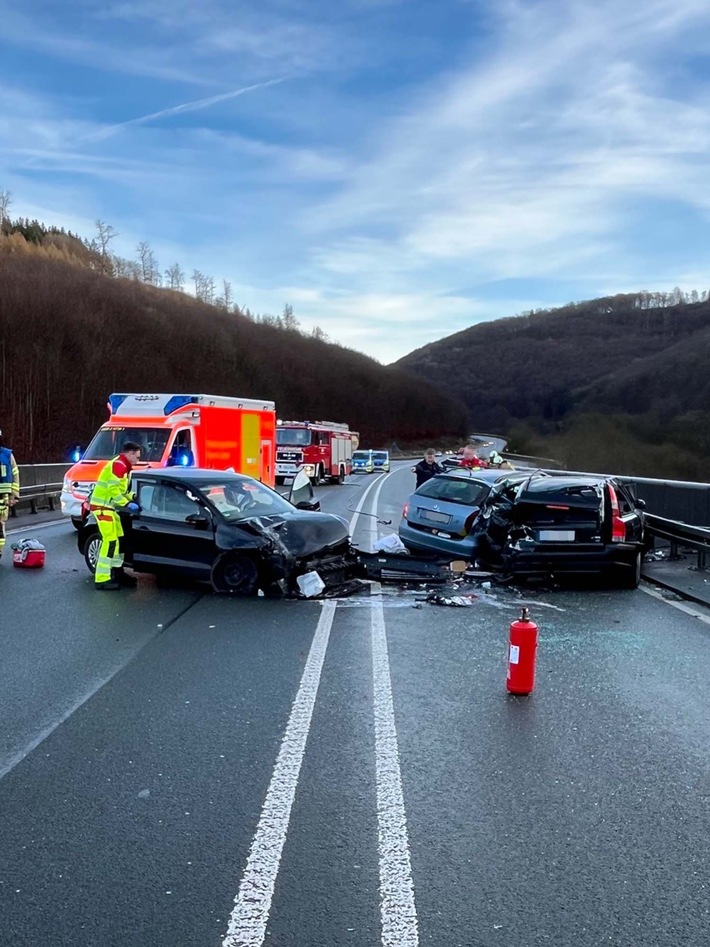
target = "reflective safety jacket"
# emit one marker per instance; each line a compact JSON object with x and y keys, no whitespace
{"x":9,"y":474}
{"x":113,"y":487}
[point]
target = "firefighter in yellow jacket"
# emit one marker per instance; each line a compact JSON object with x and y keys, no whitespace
{"x":111,"y":494}
{"x":9,"y":487}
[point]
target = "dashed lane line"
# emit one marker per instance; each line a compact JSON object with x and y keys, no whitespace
{"x":252,"y":905}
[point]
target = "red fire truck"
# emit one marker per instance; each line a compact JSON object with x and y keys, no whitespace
{"x":324,"y":449}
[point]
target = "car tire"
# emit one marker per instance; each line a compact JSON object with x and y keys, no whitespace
{"x":628,"y":577}
{"x":92,"y":545}
{"x":235,"y":574}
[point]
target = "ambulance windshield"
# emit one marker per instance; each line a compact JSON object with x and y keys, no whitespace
{"x":109,"y":441}
{"x":293,"y":436}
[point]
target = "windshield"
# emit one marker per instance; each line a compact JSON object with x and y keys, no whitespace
{"x":380,"y":455}
{"x":110,"y":440}
{"x":361,"y":455}
{"x":293,"y":436}
{"x":241,"y":499}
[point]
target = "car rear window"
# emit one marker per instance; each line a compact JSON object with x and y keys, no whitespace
{"x":569,"y":494}
{"x":467,"y":492}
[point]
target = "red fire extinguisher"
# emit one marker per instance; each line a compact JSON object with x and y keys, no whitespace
{"x":522,"y":651}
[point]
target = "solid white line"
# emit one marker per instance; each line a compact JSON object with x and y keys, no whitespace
{"x":398,"y":911}
{"x":691,"y":610}
{"x":356,"y":514}
{"x":33,"y":529}
{"x":250,"y":915}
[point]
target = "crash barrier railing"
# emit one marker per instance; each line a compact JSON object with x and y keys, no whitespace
{"x":679,"y":500}
{"x":40,"y":484}
{"x":544,"y":462}
{"x":680,"y":534}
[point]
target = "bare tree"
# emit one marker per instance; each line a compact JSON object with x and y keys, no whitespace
{"x":209,"y":289}
{"x":288,"y":320}
{"x":5,"y":202}
{"x":150,"y":271}
{"x":105,"y":233}
{"x":227,"y":295}
{"x":204,"y":286}
{"x":175,"y":277}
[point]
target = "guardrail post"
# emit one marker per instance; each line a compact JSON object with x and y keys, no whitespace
{"x":674,"y":550}
{"x":702,"y":560}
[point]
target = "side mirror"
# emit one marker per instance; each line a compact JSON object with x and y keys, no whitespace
{"x":308,"y":505}
{"x":302,"y":491}
{"x":640,"y":504}
{"x":199,"y":520}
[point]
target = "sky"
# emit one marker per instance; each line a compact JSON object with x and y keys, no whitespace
{"x":395,"y":170}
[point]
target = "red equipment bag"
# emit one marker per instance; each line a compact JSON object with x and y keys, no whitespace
{"x":28,"y":554}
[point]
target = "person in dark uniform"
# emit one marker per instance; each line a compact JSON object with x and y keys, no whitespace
{"x":427,"y":467}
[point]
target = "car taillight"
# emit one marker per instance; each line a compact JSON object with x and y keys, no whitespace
{"x":405,"y":511}
{"x":618,"y":526}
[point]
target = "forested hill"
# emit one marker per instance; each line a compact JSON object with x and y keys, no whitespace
{"x":620,"y":384}
{"x":70,"y":335}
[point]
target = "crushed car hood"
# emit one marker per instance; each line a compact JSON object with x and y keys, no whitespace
{"x":299,"y":535}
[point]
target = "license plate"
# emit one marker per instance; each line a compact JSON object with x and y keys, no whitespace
{"x":556,"y":535}
{"x":435,"y":517}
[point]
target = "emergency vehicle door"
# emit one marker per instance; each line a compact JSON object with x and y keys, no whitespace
{"x":266,"y":463}
{"x":162,"y":535}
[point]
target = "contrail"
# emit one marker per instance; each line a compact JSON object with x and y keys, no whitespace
{"x":185,"y":107}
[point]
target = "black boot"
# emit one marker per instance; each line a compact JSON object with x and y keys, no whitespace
{"x":122,"y":578}
{"x":106,"y":586}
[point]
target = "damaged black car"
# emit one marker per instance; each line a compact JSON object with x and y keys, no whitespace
{"x":562,"y":524}
{"x":226,"y":529}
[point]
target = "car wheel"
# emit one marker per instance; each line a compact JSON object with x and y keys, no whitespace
{"x":91,"y":551}
{"x":235,"y":574}
{"x":628,"y":577}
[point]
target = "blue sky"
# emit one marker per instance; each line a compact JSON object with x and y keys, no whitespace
{"x":396,"y":170}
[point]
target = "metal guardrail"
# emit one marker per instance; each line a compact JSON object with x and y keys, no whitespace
{"x":680,"y":534}
{"x":40,"y":484}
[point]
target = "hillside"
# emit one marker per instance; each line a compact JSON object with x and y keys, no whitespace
{"x":619,"y":384}
{"x":70,"y":335}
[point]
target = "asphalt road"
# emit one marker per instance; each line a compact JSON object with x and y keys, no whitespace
{"x":352,"y":773}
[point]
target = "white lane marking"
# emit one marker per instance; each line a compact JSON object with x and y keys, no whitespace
{"x":33,"y":529}
{"x":691,"y":610}
{"x":378,"y":482}
{"x":250,"y":915}
{"x":398,"y":911}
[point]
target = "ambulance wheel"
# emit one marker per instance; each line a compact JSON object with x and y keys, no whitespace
{"x":235,"y":574}
{"x":91,"y":551}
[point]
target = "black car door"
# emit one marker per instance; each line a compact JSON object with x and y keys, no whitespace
{"x":173,"y":533}
{"x":632,"y":517}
